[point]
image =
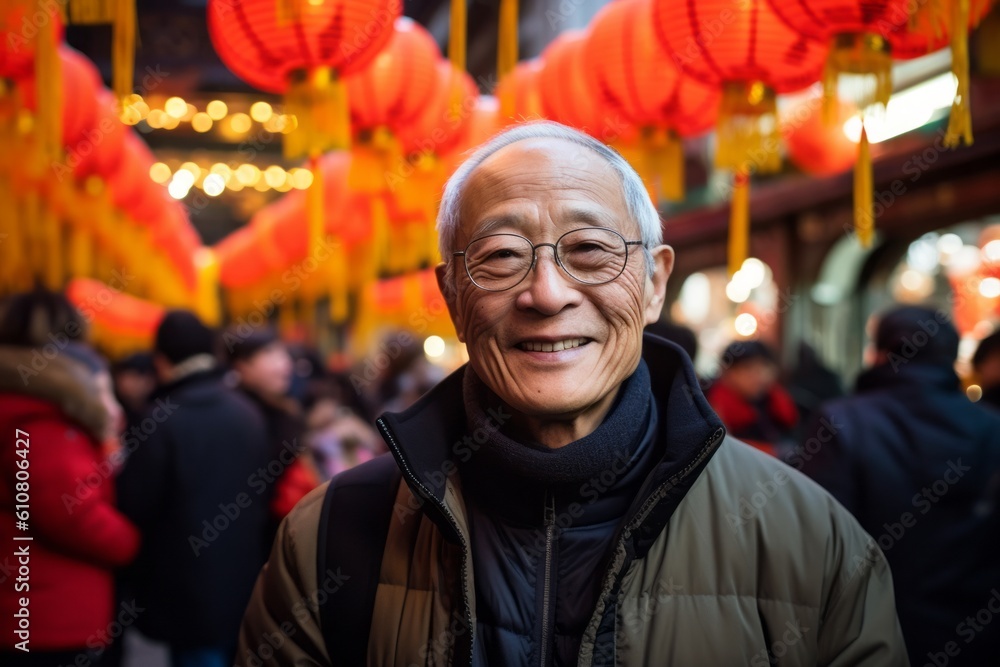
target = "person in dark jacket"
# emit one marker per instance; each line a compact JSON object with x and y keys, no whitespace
{"x":568,"y":497}
{"x":195,"y":486}
{"x":918,"y":464}
{"x":263,"y":367}
{"x":62,"y":533}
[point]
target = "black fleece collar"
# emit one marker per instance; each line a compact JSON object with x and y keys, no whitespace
{"x":430,"y":439}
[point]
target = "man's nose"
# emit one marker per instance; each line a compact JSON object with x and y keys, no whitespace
{"x":550,"y":289}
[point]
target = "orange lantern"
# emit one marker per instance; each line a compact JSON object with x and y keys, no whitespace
{"x":394,"y":89}
{"x":748,"y":51}
{"x":120,"y":323}
{"x":568,"y":94}
{"x":302,"y":49}
{"x":814,"y":146}
{"x":519,"y":94}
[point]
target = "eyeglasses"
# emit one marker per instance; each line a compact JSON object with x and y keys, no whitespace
{"x":591,"y":255}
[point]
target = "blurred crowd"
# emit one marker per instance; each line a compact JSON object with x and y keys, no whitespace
{"x":157,"y":482}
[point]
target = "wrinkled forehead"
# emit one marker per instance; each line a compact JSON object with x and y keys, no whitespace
{"x":542,"y":171}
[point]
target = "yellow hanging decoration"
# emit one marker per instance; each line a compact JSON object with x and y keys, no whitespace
{"x":318,"y":100}
{"x":339,"y":305}
{"x":866,"y":56}
{"x":122,"y":17}
{"x":457,"y":35}
{"x":960,"y":120}
{"x":747,"y":129}
{"x":664,"y":152}
{"x":507,"y":39}
{"x":739,"y":220}
{"x":206,"y":296}
{"x":48,"y":77}
{"x":864,"y":218}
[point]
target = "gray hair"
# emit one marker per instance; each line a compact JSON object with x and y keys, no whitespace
{"x":637,"y":200}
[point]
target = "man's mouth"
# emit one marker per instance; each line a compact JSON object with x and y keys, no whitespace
{"x":551,"y":346}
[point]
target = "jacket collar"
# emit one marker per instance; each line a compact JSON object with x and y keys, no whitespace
{"x":430,"y":438}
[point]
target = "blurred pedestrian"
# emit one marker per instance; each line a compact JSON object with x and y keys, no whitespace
{"x":749,"y":400}
{"x":918,"y":465}
{"x":264,"y":370}
{"x":337,"y":436}
{"x":57,"y":413}
{"x":195,"y":485}
{"x":134,"y":381}
{"x":812,"y":383}
{"x":986,"y":364}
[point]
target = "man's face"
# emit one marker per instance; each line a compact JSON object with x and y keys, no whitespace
{"x":541,"y":189}
{"x":268,"y":371}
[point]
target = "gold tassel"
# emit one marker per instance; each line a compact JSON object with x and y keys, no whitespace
{"x":380,"y":234}
{"x":48,"y":78}
{"x":864,"y":219}
{"x":314,"y":208}
{"x":81,"y":253}
{"x":206,"y":296}
{"x":318,"y":100}
{"x":123,"y":49}
{"x":863,"y":55}
{"x":739,"y":220}
{"x":338,"y":287}
{"x":666,"y":158}
{"x":456,"y":35}
{"x":507,"y":39}
{"x":747,"y":129}
{"x":960,"y":120}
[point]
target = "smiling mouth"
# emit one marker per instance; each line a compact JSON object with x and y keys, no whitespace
{"x":551,"y":346}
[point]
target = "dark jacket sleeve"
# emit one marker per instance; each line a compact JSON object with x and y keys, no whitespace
{"x":824,"y":455}
{"x":281,"y":625}
{"x":144,"y":480}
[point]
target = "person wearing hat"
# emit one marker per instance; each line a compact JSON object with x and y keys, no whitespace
{"x":263,"y":367}
{"x":188,"y":484}
{"x":748,"y":398}
{"x":62,"y":533}
{"x":918,"y":465}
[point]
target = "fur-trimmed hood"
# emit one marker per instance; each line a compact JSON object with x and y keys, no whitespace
{"x":57,"y":380}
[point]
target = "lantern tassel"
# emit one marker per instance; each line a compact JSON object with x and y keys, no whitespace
{"x":338,"y":288}
{"x":748,"y":135}
{"x":739,"y":220}
{"x":863,"y":55}
{"x":960,"y":120}
{"x":48,"y":77}
{"x":318,"y":100}
{"x":864,"y":220}
{"x":668,"y":166}
{"x":123,"y":48}
{"x":457,"y":35}
{"x":507,"y":39}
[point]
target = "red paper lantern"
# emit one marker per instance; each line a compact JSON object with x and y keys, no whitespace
{"x":519,"y":92}
{"x":302,"y":49}
{"x":816,"y":147}
{"x":717,"y":41}
{"x":120,"y":313}
{"x":130,"y":182}
{"x":81,"y":83}
{"x":266,"y":49}
{"x":19,"y":25}
{"x":441,"y":124}
{"x":98,"y":150}
{"x":568,"y":94}
{"x":397,"y":85}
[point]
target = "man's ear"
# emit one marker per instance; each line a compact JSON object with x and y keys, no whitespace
{"x":448,"y":291}
{"x":656,"y":286}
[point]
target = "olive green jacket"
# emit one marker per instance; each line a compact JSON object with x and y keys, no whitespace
{"x":753,"y":564}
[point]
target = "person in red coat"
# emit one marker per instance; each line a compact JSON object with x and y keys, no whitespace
{"x":749,"y":400}
{"x":56,"y":413}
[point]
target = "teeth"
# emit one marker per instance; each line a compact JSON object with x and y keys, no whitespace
{"x":569,"y":343}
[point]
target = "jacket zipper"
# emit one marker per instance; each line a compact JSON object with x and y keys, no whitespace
{"x":648,"y":506}
{"x":454,"y":522}
{"x":550,"y":533}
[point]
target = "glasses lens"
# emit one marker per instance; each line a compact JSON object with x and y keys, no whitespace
{"x":593,"y":255}
{"x":499,"y":261}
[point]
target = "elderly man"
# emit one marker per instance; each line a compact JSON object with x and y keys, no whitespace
{"x":568,"y":497}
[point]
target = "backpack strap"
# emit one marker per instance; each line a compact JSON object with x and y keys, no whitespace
{"x":352,"y":531}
